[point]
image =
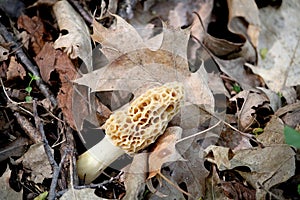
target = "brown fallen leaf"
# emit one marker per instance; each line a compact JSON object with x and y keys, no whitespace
{"x":46,"y":60}
{"x":36,"y":162}
{"x":281,"y":59}
{"x":3,"y":53}
{"x":6,"y":192}
{"x":268,"y":166}
{"x":135,"y":177}
{"x":35,"y":27}
{"x":15,"y":70}
{"x":251,"y":101}
{"x":132,"y":65}
{"x":76,"y":41}
{"x":273,"y":132}
{"x":164,"y":151}
{"x":67,"y":73}
{"x":85,"y":193}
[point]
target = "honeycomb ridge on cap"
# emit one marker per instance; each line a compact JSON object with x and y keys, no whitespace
{"x":146,"y":118}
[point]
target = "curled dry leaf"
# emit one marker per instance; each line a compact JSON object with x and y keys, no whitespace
{"x":77,"y":39}
{"x":268,"y":166}
{"x":252,"y":100}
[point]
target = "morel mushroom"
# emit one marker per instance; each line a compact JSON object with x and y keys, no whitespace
{"x":132,"y":129}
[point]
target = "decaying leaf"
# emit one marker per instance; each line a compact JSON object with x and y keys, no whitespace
{"x":251,"y":101}
{"x":3,"y":53}
{"x":164,"y":151}
{"x":135,"y":177}
{"x":15,"y":70}
{"x":35,"y":27}
{"x":36,"y":162}
{"x":273,"y":132}
{"x":74,"y":36}
{"x":6,"y":192}
{"x":67,"y":73}
{"x":84,"y":194}
{"x":46,"y":61}
{"x":132,"y":65}
{"x":268,"y":166}
{"x":280,"y":36}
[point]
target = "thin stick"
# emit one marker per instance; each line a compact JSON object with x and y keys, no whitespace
{"x":199,"y":133}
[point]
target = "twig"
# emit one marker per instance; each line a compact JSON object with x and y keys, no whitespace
{"x":25,"y":61}
{"x":85,"y":15}
{"x":54,"y":165}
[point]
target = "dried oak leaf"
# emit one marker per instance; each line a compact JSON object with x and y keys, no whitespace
{"x":74,"y":36}
{"x":132,"y":65}
{"x":268,"y":166}
{"x":164,"y":151}
{"x":35,"y":27}
{"x":67,"y":73}
{"x":46,"y":60}
{"x":251,"y":101}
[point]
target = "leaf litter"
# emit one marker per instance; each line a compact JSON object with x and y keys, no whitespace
{"x":211,"y":157}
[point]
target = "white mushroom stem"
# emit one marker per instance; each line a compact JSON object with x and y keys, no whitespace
{"x":91,"y":163}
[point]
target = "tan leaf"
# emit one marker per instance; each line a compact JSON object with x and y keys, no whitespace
{"x":77,"y":39}
{"x":280,"y":37}
{"x":268,"y":166}
{"x":164,"y":150}
{"x":36,"y":161}
{"x":252,"y":99}
{"x":6,"y":192}
{"x":15,"y":70}
{"x":84,"y":194}
{"x":3,"y":53}
{"x":273,"y":132}
{"x":135,"y":177}
{"x":132,"y":65}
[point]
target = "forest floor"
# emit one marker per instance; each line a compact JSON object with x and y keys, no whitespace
{"x":68,"y":66}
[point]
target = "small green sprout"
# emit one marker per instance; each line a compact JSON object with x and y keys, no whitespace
{"x":257,"y":131}
{"x":263,"y":53}
{"x":236,"y":88}
{"x":28,"y":89}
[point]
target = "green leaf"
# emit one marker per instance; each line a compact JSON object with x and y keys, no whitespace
{"x":292,"y":137}
{"x":35,"y":77}
{"x":28,"y":99}
{"x":236,"y":88}
{"x":263,"y":53}
{"x":30,"y":75}
{"x":42,"y":196}
{"x":298,"y":189}
{"x":28,"y":89}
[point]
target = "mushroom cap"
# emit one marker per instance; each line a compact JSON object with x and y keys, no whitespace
{"x":146,"y":118}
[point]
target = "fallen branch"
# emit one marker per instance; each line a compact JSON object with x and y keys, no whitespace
{"x":26,"y":62}
{"x":55,"y":167}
